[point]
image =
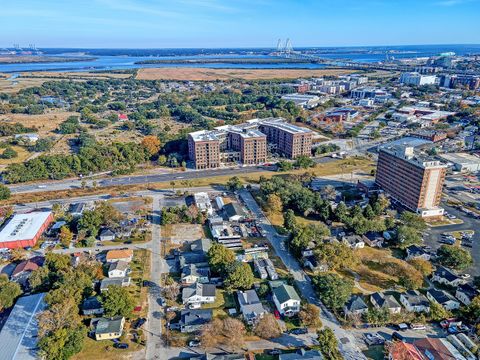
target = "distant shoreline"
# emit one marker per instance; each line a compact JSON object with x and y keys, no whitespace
{"x":225,"y":61}
{"x":6,"y":59}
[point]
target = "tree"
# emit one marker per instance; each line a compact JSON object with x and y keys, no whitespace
{"x":438,"y":312}
{"x":65,"y":236}
{"x":341,"y":212}
{"x":304,"y":162}
{"x":62,"y":315}
{"x":289,"y":220}
{"x":335,"y":255}
{"x":274,"y":204}
{"x":9,"y":153}
{"x":304,"y":235}
{"x":219,"y":257}
{"x":117,"y":301}
{"x":210,"y":333}
{"x":18,"y":254}
{"x":152,"y":144}
{"x":4,"y":192}
{"x":328,"y":192}
{"x":234,"y":183}
{"x":378,"y":317}
{"x":172,"y":291}
{"x":327,"y":342}
{"x":63,"y":343}
{"x":310,"y":316}
{"x":234,"y":332}
{"x":9,"y":292}
{"x":267,"y":327}
{"x":413,"y":220}
{"x":240,"y":276}
{"x":407,"y":235}
{"x":424,"y":266}
{"x":333,"y":290}
{"x":454,"y":257}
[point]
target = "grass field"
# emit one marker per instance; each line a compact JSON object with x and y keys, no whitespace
{"x":177,"y":73}
{"x":21,"y":157}
{"x":45,"y":123}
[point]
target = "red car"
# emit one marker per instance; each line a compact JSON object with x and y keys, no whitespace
{"x":277,"y":314}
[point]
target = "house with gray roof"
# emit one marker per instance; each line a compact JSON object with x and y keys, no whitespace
{"x":234,"y":212}
{"x":355,"y":306}
{"x":443,"y":298}
{"x":414,"y":301}
{"x":201,"y":246}
{"x":445,"y":276}
{"x":194,"y":320}
{"x":385,"y":301}
{"x":192,"y":274}
{"x":108,"y":328}
{"x":120,"y":281}
{"x":197,"y":294}
{"x":302,"y":354}
{"x":119,"y":269}
{"x":250,"y":306}
{"x":466,"y":293}
{"x":92,"y":306}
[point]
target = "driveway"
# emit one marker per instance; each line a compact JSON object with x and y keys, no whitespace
{"x":346,"y":341}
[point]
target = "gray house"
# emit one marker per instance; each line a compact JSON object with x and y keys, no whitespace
{"x":194,"y":320}
{"x":250,"y":306}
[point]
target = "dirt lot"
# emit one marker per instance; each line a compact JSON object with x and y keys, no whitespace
{"x":179,"y":233}
{"x":228,"y":74}
{"x":45,"y":123}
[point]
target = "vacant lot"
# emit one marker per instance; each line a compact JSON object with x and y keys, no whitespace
{"x":22,"y":155}
{"x":45,"y":123}
{"x":9,"y":86}
{"x":229,"y":74}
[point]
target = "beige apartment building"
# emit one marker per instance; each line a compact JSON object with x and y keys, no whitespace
{"x":248,"y":143}
{"x":416,"y":182}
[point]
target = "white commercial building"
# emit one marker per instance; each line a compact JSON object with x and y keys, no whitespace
{"x":415,"y":78}
{"x":463,"y":162}
{"x":305,"y":101}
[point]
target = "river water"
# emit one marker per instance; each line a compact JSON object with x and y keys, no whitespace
{"x":118,"y":59}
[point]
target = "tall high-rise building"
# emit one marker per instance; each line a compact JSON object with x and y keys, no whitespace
{"x":415,"y":181}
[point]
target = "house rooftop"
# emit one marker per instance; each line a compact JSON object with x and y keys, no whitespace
{"x":108,"y":326}
{"x":285,"y":292}
{"x":119,"y":254}
{"x":24,"y":226}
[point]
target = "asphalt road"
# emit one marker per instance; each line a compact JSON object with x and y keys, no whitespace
{"x":347,"y":342}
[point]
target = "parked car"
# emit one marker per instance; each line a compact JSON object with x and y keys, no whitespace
{"x":373,"y":339}
{"x":120,"y":346}
{"x":194,"y":343}
{"x":417,"y":327}
{"x":139,"y":323}
{"x":274,"y":352}
{"x":299,"y":331}
{"x":402,"y":327}
{"x":276,"y":314}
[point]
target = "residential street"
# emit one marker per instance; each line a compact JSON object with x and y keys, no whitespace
{"x":347,"y":344}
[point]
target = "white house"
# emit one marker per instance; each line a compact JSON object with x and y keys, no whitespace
{"x":354,"y":241}
{"x":466,"y":293}
{"x":413,"y":301}
{"x":416,"y":252}
{"x":286,"y":300}
{"x":443,"y":298}
{"x":118,"y":269}
{"x":197,"y":294}
{"x":192,"y":274}
{"x":445,"y":276}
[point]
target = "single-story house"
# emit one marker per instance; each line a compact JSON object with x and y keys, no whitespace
{"x":385,"y":301}
{"x":413,"y":301}
{"x":302,"y":354}
{"x":108,"y":329}
{"x":76,"y":209}
{"x":445,"y":276}
{"x":466,"y":293}
{"x":201,"y":246}
{"x":24,"y":269}
{"x":119,"y":255}
{"x":192,"y":274}
{"x":443,"y":298}
{"x":250,"y":306}
{"x":121,"y":281}
{"x":286,"y":299}
{"x":373,"y":239}
{"x":118,"y":269}
{"x":234,"y":212}
{"x":416,"y":252}
{"x":355,"y":306}
{"x":197,"y":294}
{"x":354,"y":241}
{"x":194,"y":320}
{"x":92,"y":306}
{"x":107,"y":235}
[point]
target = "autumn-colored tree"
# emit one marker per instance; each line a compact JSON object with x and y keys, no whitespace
{"x":171,"y":291}
{"x":65,"y":236}
{"x":310,"y":316}
{"x":152,"y":144}
{"x":18,"y":254}
{"x":62,"y":315}
{"x":424,"y":266}
{"x":209,"y":336}
{"x":267,"y":327}
{"x":233,"y":331}
{"x":274,"y":204}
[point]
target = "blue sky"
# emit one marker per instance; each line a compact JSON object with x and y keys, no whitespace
{"x":237,"y":23}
